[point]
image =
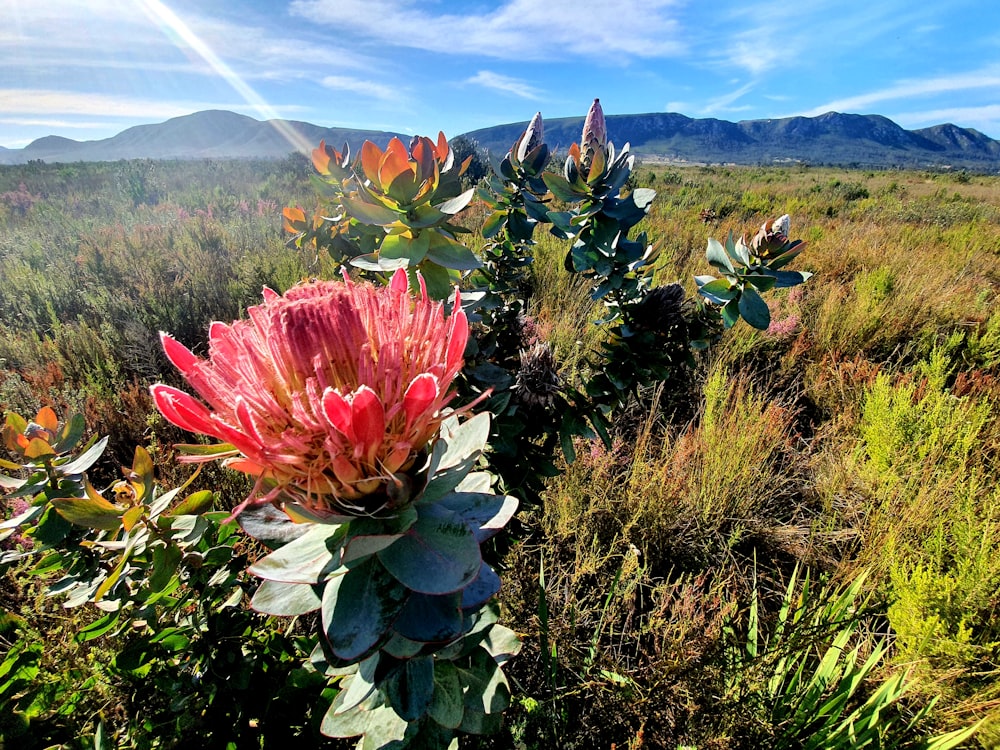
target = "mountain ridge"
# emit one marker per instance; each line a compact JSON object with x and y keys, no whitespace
{"x":832,"y":138}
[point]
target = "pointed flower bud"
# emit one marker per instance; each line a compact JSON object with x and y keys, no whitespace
{"x":594,"y":138}
{"x":530,"y":139}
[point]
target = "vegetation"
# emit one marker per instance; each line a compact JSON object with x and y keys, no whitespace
{"x":788,"y":539}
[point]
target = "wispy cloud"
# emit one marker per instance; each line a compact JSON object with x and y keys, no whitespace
{"x":74,"y":103}
{"x":506,"y":84}
{"x":982,"y":79}
{"x":986,"y":117}
{"x":516,"y":29}
{"x":359,"y":86}
{"x":52,"y":123}
{"x":774,"y":34}
{"x":724,"y":103}
{"x":115,"y":35}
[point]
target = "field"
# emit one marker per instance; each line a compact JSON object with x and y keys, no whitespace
{"x":809,"y":514}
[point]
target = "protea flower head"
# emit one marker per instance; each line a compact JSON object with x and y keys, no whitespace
{"x":771,"y":237}
{"x":530,"y":139}
{"x":594,"y":140}
{"x":538,"y":380}
{"x":328,"y":394}
{"x":662,"y":310}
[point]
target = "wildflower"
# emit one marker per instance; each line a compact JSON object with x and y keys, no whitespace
{"x":538,"y":381}
{"x":328,"y":394}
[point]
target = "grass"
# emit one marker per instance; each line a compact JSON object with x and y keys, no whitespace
{"x":861,"y":436}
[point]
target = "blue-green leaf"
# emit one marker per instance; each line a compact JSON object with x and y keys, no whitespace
{"x":411,"y":688}
{"x":286,"y":599}
{"x":439,"y":554}
{"x":718,"y":257}
{"x":754,"y":309}
{"x":447,"y":704}
{"x":308,"y":559}
{"x":359,"y":608}
{"x":430,"y":619}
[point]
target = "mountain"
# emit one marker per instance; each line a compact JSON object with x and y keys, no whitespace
{"x":832,"y":138}
{"x":213,"y":134}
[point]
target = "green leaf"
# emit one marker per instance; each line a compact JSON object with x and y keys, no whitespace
{"x":439,"y":554}
{"x":369,"y":213}
{"x":381,"y":725}
{"x":718,"y":257}
{"x":71,"y":433}
{"x":485,"y":513}
{"x":560,"y":187}
{"x":268,"y":525}
{"x":286,"y":599}
{"x":359,"y":607}
{"x":456,"y":204}
{"x":731,"y":313}
{"x":85,"y":460}
{"x":760,"y":282}
{"x":451,"y":254}
{"x":493,"y":224}
{"x":501,"y":643}
{"x":166,"y":558}
{"x":785,"y":279}
{"x":719,"y":291}
{"x":486,"y":688}
{"x":309,"y":559}
{"x":92,"y":512}
{"x":437,"y":278}
{"x":754,"y":309}
{"x":447,"y":704}
{"x":398,"y":247}
{"x":454,"y":455}
{"x":411,"y":688}
{"x":194,"y":504}
{"x":142,"y":469}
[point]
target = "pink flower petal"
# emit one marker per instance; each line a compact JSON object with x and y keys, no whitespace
{"x":419,"y":396}
{"x":182,"y":410}
{"x":179,"y":355}
{"x":338,"y":411}
{"x":457,"y":340}
{"x":400,"y":281}
{"x":368,"y":419}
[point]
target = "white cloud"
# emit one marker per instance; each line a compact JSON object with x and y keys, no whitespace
{"x":985,"y":118}
{"x":74,"y":103}
{"x":908,"y":89}
{"x":358,"y":86}
{"x":506,"y":84}
{"x":516,"y":29}
{"x":724,"y":103}
{"x":42,"y":123}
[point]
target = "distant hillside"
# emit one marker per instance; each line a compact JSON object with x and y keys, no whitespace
{"x":214,"y":134}
{"x":833,"y":139}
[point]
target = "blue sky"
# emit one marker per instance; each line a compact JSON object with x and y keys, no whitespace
{"x":87,"y":69}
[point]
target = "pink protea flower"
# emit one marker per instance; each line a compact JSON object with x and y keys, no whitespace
{"x":327,"y":394}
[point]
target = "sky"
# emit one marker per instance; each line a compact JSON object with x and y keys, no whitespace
{"x":88,"y":69}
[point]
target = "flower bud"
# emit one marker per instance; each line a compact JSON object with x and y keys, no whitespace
{"x":594,"y":137}
{"x":530,"y":139}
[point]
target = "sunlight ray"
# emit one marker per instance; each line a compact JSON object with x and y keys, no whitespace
{"x":184,"y":37}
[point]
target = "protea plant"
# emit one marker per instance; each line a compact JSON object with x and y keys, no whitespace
{"x":335,"y":397}
{"x":748,"y":269}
